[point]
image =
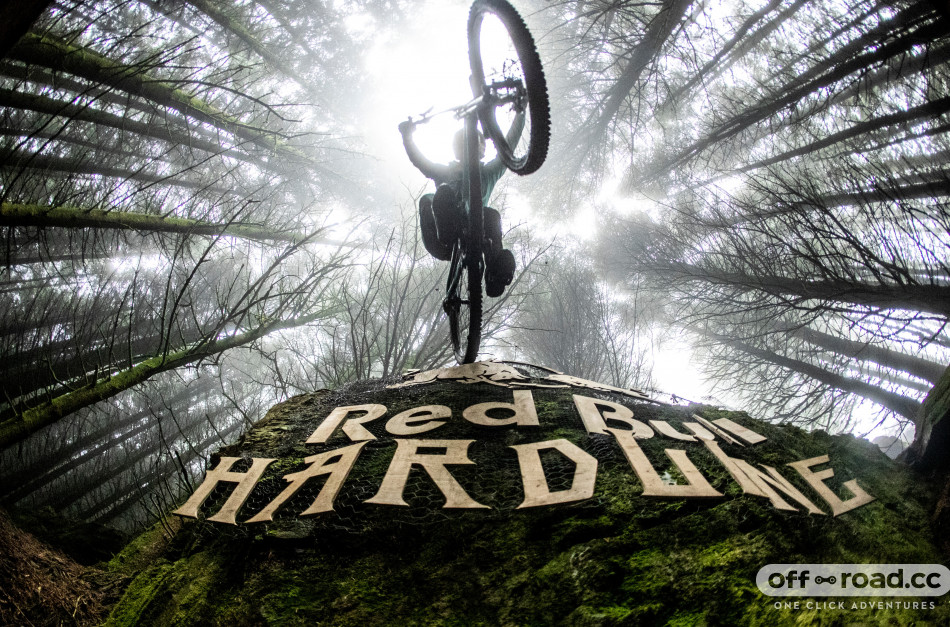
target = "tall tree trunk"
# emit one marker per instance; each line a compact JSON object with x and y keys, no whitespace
{"x":902,"y":119}
{"x":12,"y":214}
{"x":49,"y":52}
{"x":35,"y":473}
{"x":213,"y":10}
{"x":741,"y":43}
{"x":795,"y":292}
{"x":117,"y":504}
{"x":48,"y":164}
{"x":662,"y":25}
{"x":918,"y":22}
{"x":901,"y":405}
{"x":32,"y":420}
{"x":916,"y":366}
{"x":163,"y":131}
{"x":155,"y":447}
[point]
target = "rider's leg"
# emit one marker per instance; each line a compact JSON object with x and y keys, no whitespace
{"x":492,"y":226}
{"x":448,"y":223}
{"x":427,"y":225}
{"x":499,"y":274}
{"x":499,"y":261}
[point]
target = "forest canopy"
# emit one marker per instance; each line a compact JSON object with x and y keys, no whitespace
{"x":206,"y":209}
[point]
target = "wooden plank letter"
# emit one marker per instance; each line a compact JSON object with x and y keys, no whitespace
{"x":523,"y":408}
{"x":722,"y":434}
{"x":748,"y":435}
{"x":320,"y":464}
{"x":353,"y":427}
{"x":748,"y":484}
{"x":816,"y":479}
{"x":701,"y":432}
{"x":418,"y":420}
{"x":774,"y":480}
{"x":222,"y":472}
{"x":696,"y":484}
{"x":536,"y":491}
{"x":595,"y":413}
{"x":756,"y":483}
{"x":667,"y":429}
{"x":407,"y":455}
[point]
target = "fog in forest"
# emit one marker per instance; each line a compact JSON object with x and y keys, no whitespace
{"x":207,"y":209}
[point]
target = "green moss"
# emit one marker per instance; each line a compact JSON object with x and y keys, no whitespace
{"x":688,"y":619}
{"x":140,"y":595}
{"x":143,"y":549}
{"x":616,"y":559}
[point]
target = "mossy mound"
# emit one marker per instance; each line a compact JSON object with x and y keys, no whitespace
{"x":616,"y":558}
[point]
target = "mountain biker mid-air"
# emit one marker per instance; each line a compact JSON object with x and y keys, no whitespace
{"x":441,"y":214}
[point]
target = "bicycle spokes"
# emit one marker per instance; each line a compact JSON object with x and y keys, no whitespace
{"x":504,"y":76}
{"x":507,"y":70}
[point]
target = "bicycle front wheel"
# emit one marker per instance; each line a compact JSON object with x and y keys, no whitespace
{"x":505,"y":63}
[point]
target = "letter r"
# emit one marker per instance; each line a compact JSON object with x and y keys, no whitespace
{"x":352,"y":427}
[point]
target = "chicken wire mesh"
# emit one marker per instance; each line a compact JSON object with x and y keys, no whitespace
{"x":494,"y":479}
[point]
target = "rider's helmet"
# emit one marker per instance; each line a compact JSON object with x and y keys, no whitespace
{"x":458,"y":144}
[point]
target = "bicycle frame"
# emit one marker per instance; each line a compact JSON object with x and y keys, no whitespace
{"x":510,"y":84}
{"x":467,"y":260}
{"x":467,"y":251}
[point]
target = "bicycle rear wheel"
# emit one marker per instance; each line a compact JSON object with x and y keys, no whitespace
{"x":504,"y":61}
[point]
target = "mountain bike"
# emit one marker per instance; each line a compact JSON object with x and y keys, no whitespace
{"x":507,"y":80}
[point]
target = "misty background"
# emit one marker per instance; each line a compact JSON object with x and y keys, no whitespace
{"x":206,"y":209}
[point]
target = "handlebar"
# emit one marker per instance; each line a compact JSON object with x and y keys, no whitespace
{"x":489,"y":97}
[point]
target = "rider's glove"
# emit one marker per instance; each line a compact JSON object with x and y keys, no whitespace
{"x":406,"y":126}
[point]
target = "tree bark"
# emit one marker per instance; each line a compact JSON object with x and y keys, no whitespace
{"x":923,"y":298}
{"x":916,"y":366}
{"x":901,"y":405}
{"x":49,"y":52}
{"x":75,"y":218}
{"x":32,"y":420}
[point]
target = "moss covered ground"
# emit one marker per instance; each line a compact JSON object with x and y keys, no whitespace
{"x":615,"y":559}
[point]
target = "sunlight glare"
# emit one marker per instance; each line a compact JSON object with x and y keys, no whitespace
{"x":583,"y":226}
{"x":674,"y":370}
{"x":422,"y":69}
{"x":516,"y":210}
{"x":337,"y":221}
{"x":626,"y":205}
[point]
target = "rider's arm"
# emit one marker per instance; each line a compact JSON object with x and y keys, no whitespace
{"x":429,"y":168}
{"x":512,"y":137}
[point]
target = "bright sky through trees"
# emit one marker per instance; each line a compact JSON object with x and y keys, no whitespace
{"x":415,"y":69}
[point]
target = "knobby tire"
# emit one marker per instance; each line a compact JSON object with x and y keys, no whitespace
{"x":535,"y":85}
